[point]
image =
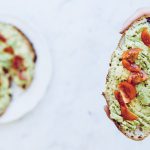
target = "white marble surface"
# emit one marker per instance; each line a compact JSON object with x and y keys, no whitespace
{"x":81,"y":35}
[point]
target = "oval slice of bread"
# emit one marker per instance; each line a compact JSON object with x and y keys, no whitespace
{"x":17,"y":62}
{"x":131,"y":38}
{"x":22,"y":47}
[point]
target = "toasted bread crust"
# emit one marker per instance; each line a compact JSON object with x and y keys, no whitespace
{"x":126,"y":133}
{"x":6,"y":72}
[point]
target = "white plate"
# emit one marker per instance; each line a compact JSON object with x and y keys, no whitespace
{"x":23,"y":102}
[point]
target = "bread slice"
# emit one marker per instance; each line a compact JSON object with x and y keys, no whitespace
{"x":17,"y":62}
{"x":139,"y":129}
{"x":22,"y":47}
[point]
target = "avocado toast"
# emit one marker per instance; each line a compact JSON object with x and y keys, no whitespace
{"x":17,"y":62}
{"x":127,"y":89}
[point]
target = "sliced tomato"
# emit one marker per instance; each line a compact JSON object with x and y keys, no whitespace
{"x":9,"y":50}
{"x":137,"y":77}
{"x":119,"y":98}
{"x":131,"y":55}
{"x":127,"y":90}
{"x":145,"y":36}
{"x":125,"y":112}
{"x":18,"y":63}
{"x":2,"y":38}
{"x":130,"y":66}
{"x":126,"y":99}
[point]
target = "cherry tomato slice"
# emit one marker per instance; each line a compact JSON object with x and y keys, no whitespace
{"x":130,"y":66}
{"x":145,"y":36}
{"x":137,"y":77}
{"x":18,"y":63}
{"x":126,"y":99}
{"x":127,"y":90}
{"x":125,"y":112}
{"x":131,"y":55}
{"x":119,"y":97}
{"x":2,"y":38}
{"x":9,"y":50}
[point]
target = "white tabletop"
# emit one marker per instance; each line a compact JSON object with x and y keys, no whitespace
{"x":81,"y":35}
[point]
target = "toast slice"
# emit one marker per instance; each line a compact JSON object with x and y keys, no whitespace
{"x":21,"y":52}
{"x":17,"y":62}
{"x":136,"y":129}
